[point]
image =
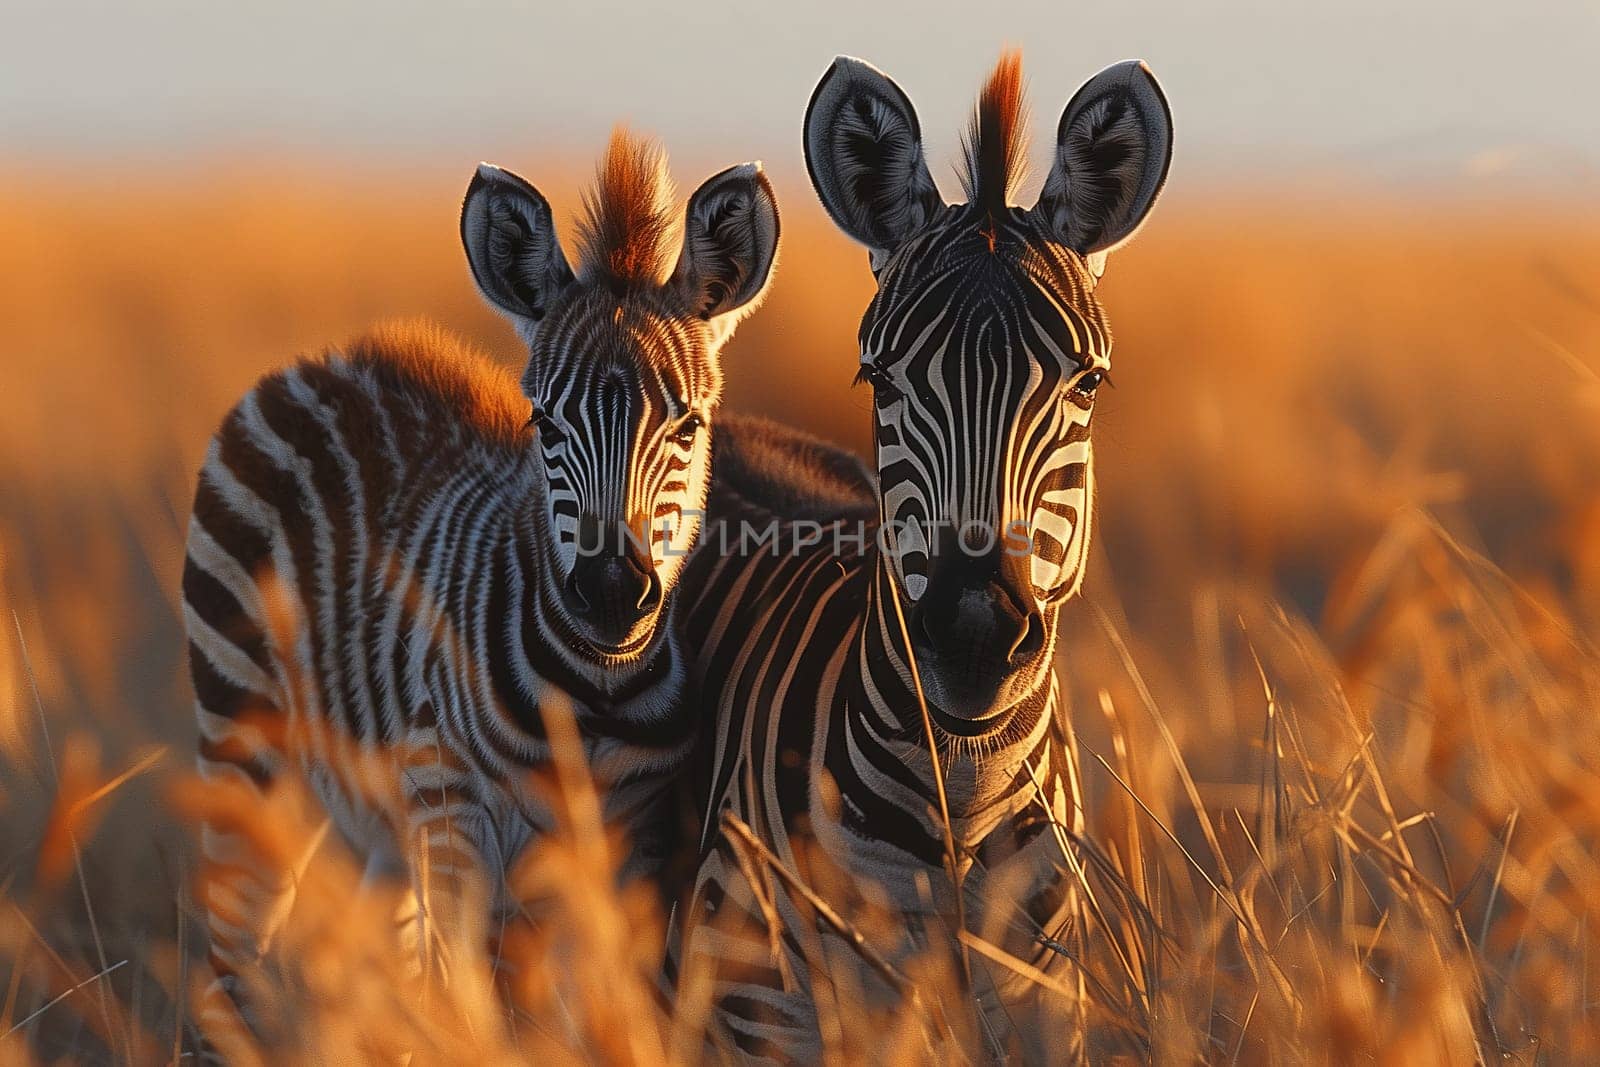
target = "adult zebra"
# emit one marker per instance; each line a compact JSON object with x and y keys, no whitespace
{"x":984,"y":347}
{"x":390,"y":564}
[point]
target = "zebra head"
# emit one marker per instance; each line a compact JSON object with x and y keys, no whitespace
{"x":984,"y":346}
{"x":623,"y":370}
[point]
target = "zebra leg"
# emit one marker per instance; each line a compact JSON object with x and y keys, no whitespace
{"x":447,"y":915}
{"x":734,"y":954}
{"x":247,"y":892}
{"x":1029,"y":904}
{"x":237,"y":900}
{"x":385,"y":867}
{"x":1026,"y":906}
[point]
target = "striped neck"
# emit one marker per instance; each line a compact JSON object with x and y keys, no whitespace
{"x":532,"y":651}
{"x":981,"y":774}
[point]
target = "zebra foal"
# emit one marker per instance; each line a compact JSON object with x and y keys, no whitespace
{"x":984,"y":347}
{"x":399,"y":556}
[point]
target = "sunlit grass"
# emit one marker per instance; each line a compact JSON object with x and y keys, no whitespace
{"x":1334,"y":674}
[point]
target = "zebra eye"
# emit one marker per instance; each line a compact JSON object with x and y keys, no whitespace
{"x":684,"y":432}
{"x":549,"y":432}
{"x":1088,"y":383}
{"x":884,"y":391}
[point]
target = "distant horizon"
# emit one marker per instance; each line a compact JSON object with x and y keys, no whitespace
{"x":1491,"y":178}
{"x":1437,"y":92}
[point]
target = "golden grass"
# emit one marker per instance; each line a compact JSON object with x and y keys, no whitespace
{"x":1335,"y":670}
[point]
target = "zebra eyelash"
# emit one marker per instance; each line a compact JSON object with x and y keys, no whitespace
{"x":547,"y":432}
{"x":1076,"y":384}
{"x":884,"y":390}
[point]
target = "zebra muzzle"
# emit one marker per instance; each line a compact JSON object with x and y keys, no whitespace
{"x":970,"y":638}
{"x":611,"y":595}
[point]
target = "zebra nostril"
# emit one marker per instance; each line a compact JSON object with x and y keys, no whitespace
{"x":923,"y":625}
{"x":572,"y":590}
{"x":1028,"y":641}
{"x":650,"y":595}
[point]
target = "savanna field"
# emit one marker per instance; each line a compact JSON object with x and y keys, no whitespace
{"x":1336,"y":671}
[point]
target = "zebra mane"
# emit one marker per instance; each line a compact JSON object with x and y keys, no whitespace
{"x":628,"y":231}
{"x":996,"y":143}
{"x":423,"y":363}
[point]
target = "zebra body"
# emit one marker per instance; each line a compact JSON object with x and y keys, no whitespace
{"x":363,"y":563}
{"x":401,"y":560}
{"x":984,"y":347}
{"x":819,"y":747}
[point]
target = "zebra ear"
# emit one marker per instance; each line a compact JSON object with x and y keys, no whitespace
{"x":511,"y":245}
{"x":730,"y":240}
{"x":1112,"y":152}
{"x":864,"y":154}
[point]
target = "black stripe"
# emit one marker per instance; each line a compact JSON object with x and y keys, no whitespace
{"x":212,"y":602}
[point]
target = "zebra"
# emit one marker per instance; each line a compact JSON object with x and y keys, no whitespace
{"x":399,"y":556}
{"x":984,"y":347}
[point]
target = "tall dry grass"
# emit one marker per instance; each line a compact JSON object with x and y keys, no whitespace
{"x":1335,"y":670}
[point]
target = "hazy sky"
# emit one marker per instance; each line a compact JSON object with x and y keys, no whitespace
{"x":1393,"y":87}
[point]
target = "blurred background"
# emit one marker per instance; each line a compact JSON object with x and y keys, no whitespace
{"x":1372,"y":279}
{"x":1364,"y":322}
